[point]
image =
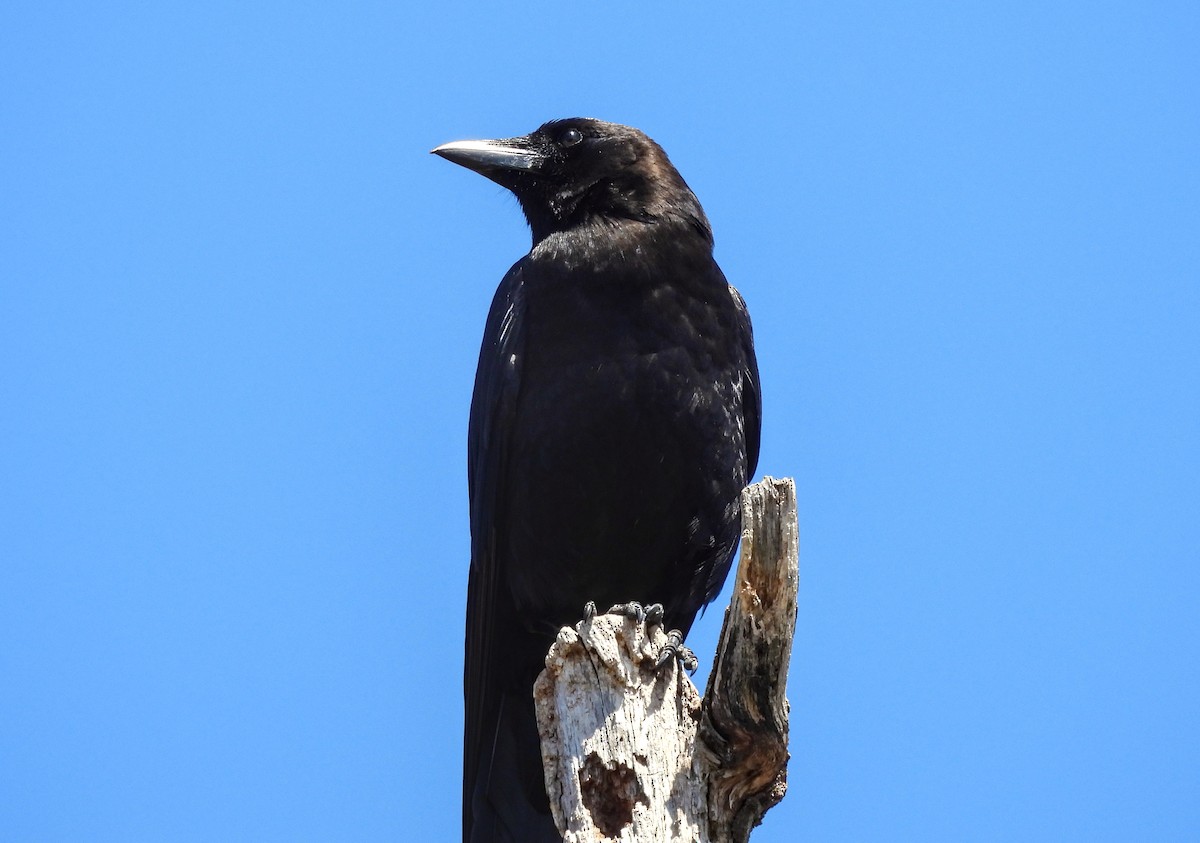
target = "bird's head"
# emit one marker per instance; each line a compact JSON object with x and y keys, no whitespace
{"x":575,"y":171}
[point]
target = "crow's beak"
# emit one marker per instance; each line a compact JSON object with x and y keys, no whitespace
{"x":493,"y":158}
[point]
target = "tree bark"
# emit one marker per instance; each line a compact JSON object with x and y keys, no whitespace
{"x":632,"y":753}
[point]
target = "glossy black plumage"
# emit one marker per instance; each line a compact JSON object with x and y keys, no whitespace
{"x":614,"y":423}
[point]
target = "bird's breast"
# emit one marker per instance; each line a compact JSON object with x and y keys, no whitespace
{"x":628,"y":445}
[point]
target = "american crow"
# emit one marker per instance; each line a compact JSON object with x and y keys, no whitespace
{"x":614,"y":423}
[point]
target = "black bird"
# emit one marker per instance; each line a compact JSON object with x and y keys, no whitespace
{"x":614,"y":423}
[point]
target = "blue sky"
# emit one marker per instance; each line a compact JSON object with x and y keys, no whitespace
{"x":240,"y":307}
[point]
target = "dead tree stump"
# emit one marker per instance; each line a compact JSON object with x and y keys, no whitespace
{"x":632,"y":753}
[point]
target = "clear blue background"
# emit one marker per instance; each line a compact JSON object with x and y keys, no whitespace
{"x":239,"y":312}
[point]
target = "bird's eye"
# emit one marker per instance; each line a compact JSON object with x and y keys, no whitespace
{"x":570,"y":137}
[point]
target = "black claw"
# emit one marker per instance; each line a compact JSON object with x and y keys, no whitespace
{"x":629,"y":610}
{"x":589,"y":610}
{"x":674,"y":649}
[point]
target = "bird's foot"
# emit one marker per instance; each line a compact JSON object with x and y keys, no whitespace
{"x":653,"y":615}
{"x":675,"y":649}
{"x":649,"y":615}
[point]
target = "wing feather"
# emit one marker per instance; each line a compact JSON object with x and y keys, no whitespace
{"x":497,"y":382}
{"x":751,"y":394}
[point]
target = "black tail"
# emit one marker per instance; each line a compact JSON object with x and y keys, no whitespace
{"x":504,"y":787}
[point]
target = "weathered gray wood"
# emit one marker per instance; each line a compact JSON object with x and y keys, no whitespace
{"x":746,"y":709}
{"x":620,"y":738}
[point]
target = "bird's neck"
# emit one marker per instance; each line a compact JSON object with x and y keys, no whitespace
{"x":607,"y":243}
